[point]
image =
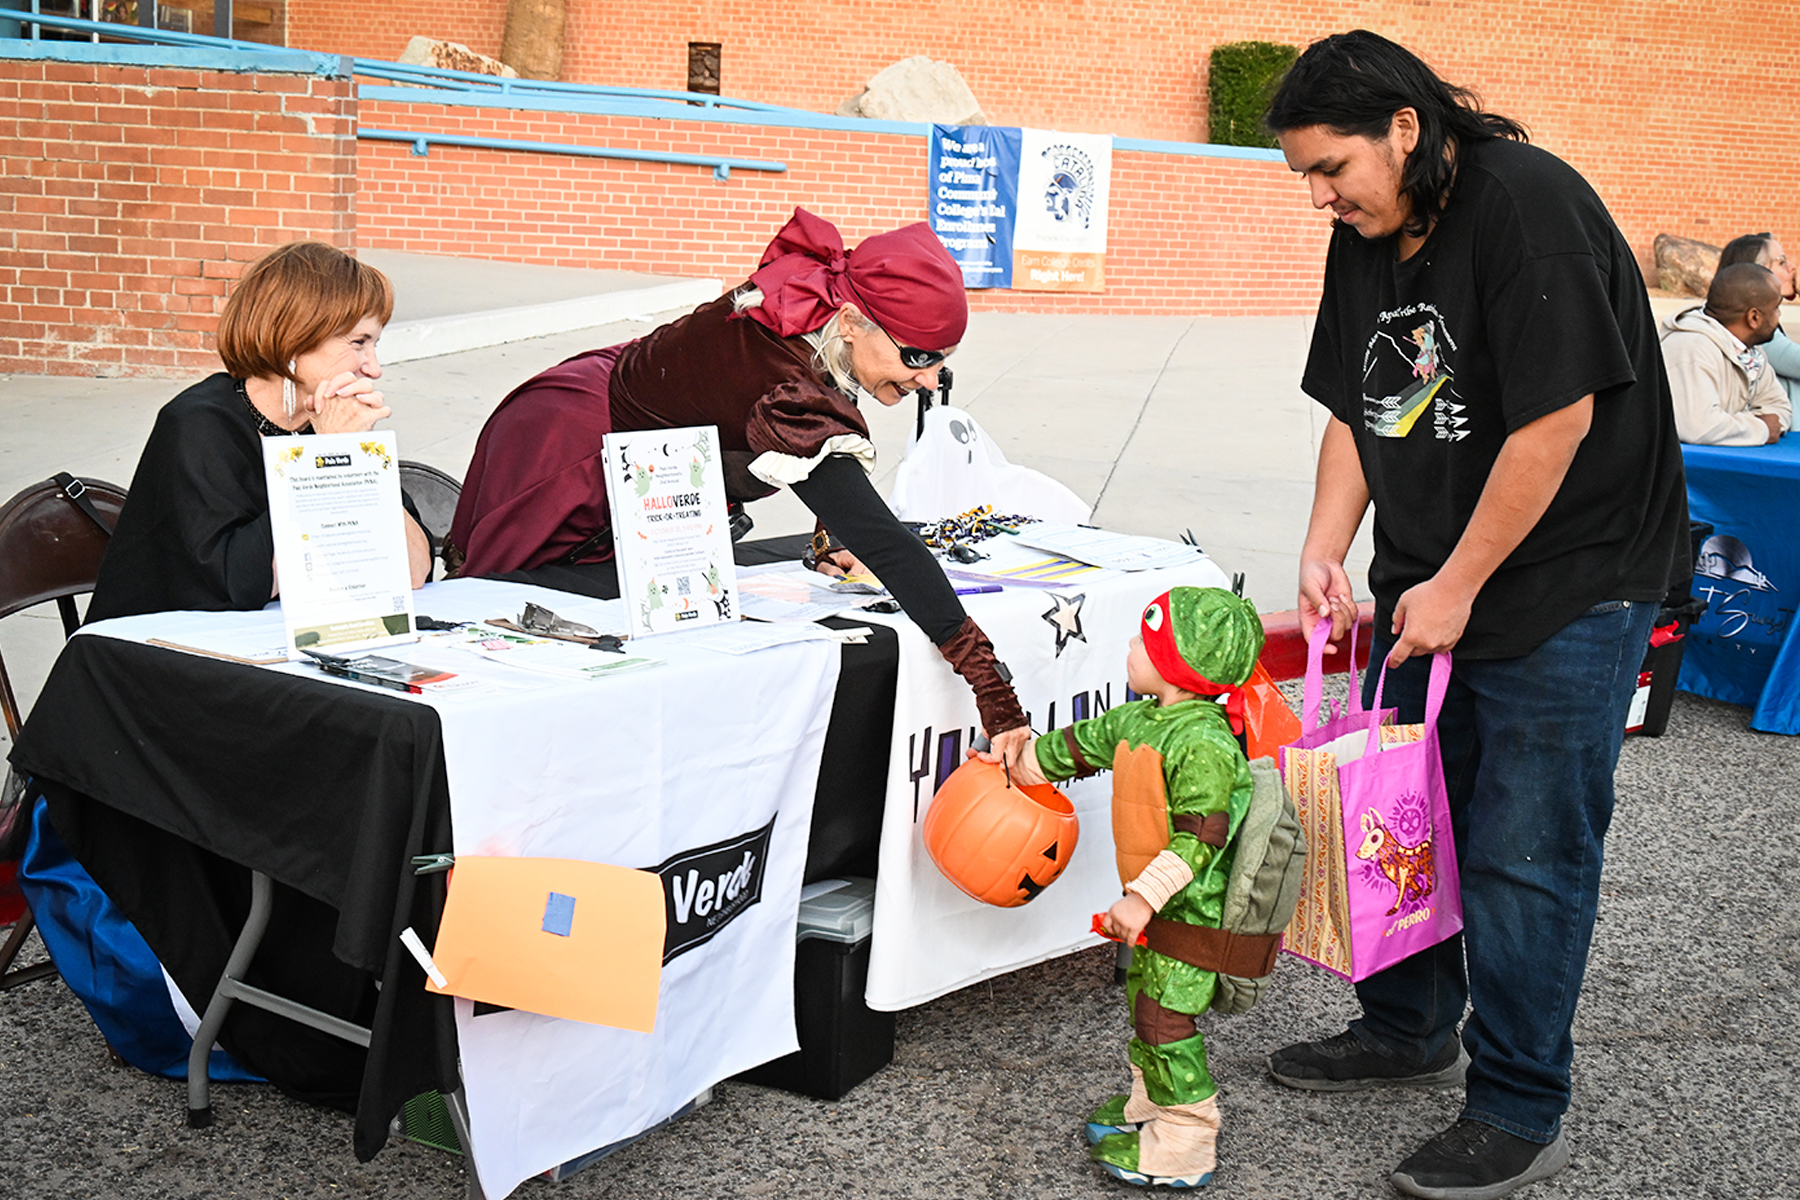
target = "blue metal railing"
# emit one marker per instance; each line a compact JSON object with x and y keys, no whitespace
{"x":422,"y":143}
{"x":470,"y":89}
{"x":375,"y":68}
{"x":135,"y":33}
{"x":462,"y":83}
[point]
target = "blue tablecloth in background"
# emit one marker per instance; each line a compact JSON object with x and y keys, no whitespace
{"x":1744,"y":650}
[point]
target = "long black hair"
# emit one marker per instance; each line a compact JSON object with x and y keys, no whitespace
{"x":1353,"y":84}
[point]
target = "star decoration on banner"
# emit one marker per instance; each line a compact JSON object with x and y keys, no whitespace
{"x":1065,"y":618}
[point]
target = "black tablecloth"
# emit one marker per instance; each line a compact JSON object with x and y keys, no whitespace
{"x":168,"y":774}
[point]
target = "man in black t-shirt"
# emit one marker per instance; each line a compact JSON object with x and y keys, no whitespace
{"x":1485,"y":347}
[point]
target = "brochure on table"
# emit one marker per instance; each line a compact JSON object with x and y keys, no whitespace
{"x":1105,"y":548}
{"x":671,"y":533}
{"x":340,"y":542}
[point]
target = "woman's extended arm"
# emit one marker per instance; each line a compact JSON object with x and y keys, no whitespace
{"x":839,"y":493}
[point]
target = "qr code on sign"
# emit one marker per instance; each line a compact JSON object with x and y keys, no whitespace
{"x":399,"y":604}
{"x":681,"y":585}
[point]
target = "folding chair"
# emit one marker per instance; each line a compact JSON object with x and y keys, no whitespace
{"x":52,"y":537}
{"x":436,"y":493}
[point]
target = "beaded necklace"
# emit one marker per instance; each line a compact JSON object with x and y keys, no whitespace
{"x":264,"y":426}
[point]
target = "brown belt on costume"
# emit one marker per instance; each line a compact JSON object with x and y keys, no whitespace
{"x":1245,"y":955}
{"x":1213,"y":829}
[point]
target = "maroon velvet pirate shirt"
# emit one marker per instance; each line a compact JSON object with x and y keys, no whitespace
{"x":760,"y":389}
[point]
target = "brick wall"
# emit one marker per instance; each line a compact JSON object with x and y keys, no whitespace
{"x":117,"y":243}
{"x":1673,"y":113}
{"x":381,"y":30}
{"x":131,"y":195}
{"x":1182,"y":228}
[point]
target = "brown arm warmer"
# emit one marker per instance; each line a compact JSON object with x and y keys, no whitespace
{"x":972,"y":655}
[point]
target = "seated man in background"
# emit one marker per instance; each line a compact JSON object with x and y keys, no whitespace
{"x":1762,"y":249}
{"x":1725,"y":392}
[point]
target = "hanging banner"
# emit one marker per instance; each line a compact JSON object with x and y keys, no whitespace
{"x":1022,"y":208}
{"x":973,"y":189}
{"x":1059,"y":243}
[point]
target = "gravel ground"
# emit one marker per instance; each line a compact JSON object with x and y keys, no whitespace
{"x":1685,"y":1060}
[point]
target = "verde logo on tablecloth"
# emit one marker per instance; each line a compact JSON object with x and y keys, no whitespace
{"x":706,"y":888}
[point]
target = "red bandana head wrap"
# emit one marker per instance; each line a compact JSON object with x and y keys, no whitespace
{"x":1188,"y":629}
{"x":904,"y":281}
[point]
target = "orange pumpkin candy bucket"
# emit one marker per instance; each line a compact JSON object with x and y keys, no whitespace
{"x":999,"y":843}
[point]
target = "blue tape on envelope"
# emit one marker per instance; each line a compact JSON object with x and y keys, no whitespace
{"x":559,"y":914}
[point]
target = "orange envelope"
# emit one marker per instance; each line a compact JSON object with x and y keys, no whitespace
{"x":556,"y":936}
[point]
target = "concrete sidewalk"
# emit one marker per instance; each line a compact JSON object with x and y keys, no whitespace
{"x":1685,"y":1041}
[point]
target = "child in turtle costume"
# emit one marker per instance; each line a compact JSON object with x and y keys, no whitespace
{"x":1181,"y":787}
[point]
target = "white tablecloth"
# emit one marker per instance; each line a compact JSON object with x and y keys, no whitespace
{"x":1066,"y":648}
{"x":632,"y":770}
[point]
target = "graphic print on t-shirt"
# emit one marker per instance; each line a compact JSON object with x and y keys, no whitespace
{"x":1407,"y":373}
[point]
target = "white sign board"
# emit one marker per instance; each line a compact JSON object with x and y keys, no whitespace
{"x":671,"y":532}
{"x":340,"y":541}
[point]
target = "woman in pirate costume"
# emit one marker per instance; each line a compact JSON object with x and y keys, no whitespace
{"x":778,"y":365}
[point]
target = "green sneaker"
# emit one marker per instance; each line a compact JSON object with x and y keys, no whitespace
{"x":1117,"y":1155}
{"x":1109,"y":1118}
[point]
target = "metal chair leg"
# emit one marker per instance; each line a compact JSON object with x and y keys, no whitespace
{"x":16,"y":939}
{"x":458,"y":1105}
{"x":199,"y":1114}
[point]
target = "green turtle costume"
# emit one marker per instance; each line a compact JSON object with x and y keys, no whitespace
{"x":1181,"y":787}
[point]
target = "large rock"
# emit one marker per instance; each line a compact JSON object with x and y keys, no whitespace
{"x":918,"y":90}
{"x":533,"y":41}
{"x":452,"y":56}
{"x":1684,"y":265}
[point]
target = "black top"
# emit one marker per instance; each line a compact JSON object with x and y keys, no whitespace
{"x":194,"y":532}
{"x":1524,"y":298}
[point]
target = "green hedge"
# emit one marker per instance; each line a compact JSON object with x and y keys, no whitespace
{"x":1239,"y":83}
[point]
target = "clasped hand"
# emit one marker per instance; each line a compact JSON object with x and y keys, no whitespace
{"x":1428,"y":618}
{"x":1127,"y":917}
{"x":346,"y":403}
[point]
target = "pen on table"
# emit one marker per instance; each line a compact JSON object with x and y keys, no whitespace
{"x":979,"y":589}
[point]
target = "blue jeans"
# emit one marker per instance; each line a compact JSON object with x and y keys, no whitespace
{"x":1529,"y":748}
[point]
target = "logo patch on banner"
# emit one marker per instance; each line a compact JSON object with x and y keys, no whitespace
{"x":709,"y":887}
{"x":1069,"y":194}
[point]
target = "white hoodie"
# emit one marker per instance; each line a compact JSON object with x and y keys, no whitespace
{"x":1720,"y":386}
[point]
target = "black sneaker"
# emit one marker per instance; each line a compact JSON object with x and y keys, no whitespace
{"x":1346,"y":1063}
{"x":1473,"y":1161}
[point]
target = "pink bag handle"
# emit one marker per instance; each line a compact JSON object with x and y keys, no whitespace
{"x":1434,"y":697}
{"x":1315,"y":676}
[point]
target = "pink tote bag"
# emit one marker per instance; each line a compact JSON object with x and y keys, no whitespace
{"x":1381,"y":881}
